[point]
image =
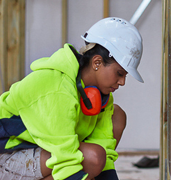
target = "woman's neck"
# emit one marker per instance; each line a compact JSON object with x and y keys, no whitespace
{"x":87,"y":75}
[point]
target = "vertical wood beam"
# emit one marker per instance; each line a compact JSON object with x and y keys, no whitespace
{"x":105,"y":8}
{"x":12,"y":41}
{"x":3,"y":45}
{"x":169,"y":90}
{"x":64,"y":21}
{"x":22,"y":38}
{"x":16,"y":45}
{"x":165,"y":124}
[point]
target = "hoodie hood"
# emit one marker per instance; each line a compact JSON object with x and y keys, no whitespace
{"x":62,"y":60}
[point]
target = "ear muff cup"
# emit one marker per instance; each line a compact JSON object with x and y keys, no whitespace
{"x":98,"y":101}
{"x":95,"y":98}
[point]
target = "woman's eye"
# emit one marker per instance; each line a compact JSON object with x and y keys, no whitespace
{"x":120,"y":74}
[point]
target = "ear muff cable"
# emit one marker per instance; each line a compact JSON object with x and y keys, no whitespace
{"x":86,"y":100}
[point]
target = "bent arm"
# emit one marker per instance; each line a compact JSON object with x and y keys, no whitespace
{"x":119,"y":122}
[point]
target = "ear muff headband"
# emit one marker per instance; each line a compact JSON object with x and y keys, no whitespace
{"x":92,"y":101}
{"x":105,"y":100}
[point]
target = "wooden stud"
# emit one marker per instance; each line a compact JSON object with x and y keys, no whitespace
{"x":3,"y":45}
{"x":105,"y":8}
{"x":15,"y":51}
{"x":12,"y":42}
{"x":64,"y":22}
{"x":165,"y":123}
{"x":169,"y":89}
{"x":22,"y":39}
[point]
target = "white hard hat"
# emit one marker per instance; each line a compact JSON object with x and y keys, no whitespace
{"x":121,"y":39}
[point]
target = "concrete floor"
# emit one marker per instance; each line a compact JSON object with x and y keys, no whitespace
{"x":126,"y":170}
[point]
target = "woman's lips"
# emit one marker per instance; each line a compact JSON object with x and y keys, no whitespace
{"x":113,"y":89}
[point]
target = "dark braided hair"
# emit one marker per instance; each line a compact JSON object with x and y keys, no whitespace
{"x":96,"y":50}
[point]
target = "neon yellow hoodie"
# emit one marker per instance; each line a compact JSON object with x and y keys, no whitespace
{"x":48,"y":102}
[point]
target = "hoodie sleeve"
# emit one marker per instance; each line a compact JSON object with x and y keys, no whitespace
{"x":51,"y":122}
{"x":103,"y":135}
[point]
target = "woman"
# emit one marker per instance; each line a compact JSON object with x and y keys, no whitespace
{"x":59,"y":122}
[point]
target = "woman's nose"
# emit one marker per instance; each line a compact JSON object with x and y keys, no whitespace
{"x":121,"y":81}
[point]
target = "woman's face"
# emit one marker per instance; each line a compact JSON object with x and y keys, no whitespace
{"x":110,"y":77}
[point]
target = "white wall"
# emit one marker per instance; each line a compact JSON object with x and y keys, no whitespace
{"x":140,"y":101}
{"x":43,"y":29}
{"x":81,"y":16}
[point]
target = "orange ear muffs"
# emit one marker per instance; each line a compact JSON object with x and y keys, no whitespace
{"x":95,"y":97}
{"x":92,"y":101}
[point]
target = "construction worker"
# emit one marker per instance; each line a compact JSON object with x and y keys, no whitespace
{"x":59,"y":122}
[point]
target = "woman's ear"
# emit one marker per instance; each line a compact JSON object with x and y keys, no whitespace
{"x":96,"y":62}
